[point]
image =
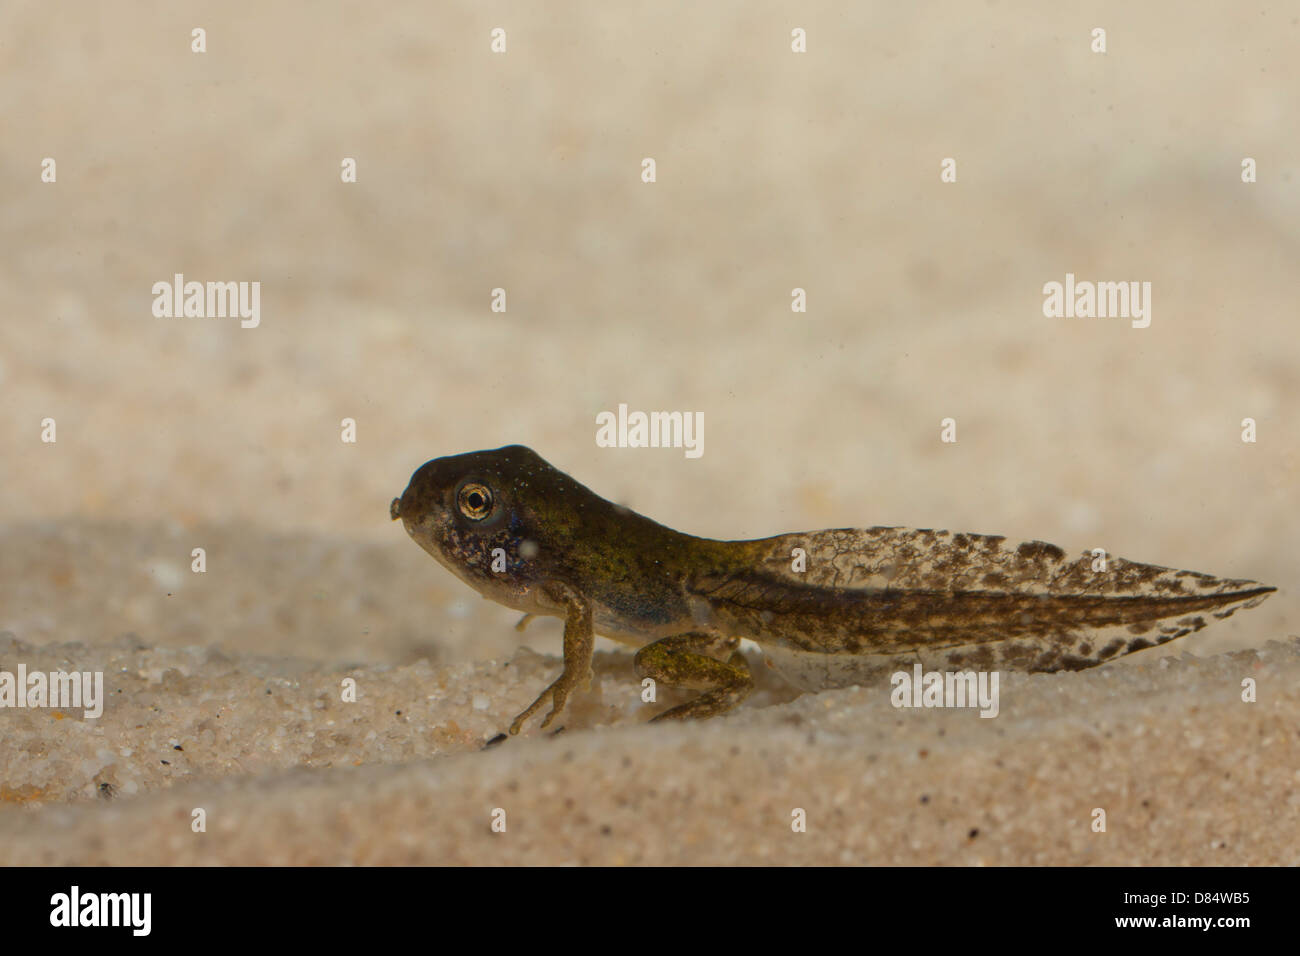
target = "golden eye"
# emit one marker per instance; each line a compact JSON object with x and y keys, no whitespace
{"x":474,"y":500}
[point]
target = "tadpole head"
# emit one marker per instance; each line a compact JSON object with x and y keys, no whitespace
{"x":473,"y":513}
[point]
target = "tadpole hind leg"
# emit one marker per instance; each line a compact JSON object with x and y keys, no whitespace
{"x":684,"y":661}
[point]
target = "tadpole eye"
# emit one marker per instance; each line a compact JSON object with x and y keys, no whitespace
{"x":474,"y":500}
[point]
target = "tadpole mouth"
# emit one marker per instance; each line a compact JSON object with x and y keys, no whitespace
{"x":395,"y":509}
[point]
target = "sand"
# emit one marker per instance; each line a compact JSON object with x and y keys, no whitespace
{"x":279,"y":771}
{"x":522,"y":171}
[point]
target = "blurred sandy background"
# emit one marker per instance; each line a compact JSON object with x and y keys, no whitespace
{"x":522,"y":170}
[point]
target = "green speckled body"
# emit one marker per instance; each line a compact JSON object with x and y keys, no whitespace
{"x":829,"y":608}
